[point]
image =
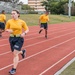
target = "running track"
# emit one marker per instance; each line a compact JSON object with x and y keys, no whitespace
{"x":44,"y":56}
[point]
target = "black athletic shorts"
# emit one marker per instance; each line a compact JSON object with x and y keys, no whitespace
{"x":44,"y":25}
{"x":2,"y":26}
{"x":16,"y":43}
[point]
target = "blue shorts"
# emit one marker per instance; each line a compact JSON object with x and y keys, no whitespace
{"x":2,"y":26}
{"x":16,"y":43}
{"x":44,"y":25}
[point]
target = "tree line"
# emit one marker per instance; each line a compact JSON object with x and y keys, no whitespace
{"x":58,"y":6}
{"x":54,"y":6}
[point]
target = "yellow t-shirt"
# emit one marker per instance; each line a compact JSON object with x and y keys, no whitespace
{"x":16,"y":26}
{"x":44,"y":18}
{"x":2,"y":18}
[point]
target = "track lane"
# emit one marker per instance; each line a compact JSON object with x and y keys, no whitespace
{"x":22,"y":74}
{"x":36,"y":64}
{"x":37,"y":39}
{"x":49,"y":44}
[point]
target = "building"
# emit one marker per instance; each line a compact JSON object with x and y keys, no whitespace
{"x":36,"y":4}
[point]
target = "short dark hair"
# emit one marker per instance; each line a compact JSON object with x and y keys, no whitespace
{"x":3,"y":11}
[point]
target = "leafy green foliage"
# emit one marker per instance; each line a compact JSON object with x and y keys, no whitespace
{"x":25,"y":7}
{"x":55,"y":6}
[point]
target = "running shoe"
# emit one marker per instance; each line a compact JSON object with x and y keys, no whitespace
{"x":12,"y":71}
{"x":23,"y":53}
{"x":46,"y":36}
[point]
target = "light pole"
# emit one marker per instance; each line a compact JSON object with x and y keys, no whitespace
{"x":69,"y":10}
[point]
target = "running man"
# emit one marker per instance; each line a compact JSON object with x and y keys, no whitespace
{"x":43,"y":22}
{"x":14,"y":27}
{"x":2,"y":22}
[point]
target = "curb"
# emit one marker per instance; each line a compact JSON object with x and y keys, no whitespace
{"x":64,"y":67}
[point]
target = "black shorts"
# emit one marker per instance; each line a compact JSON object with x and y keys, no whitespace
{"x":44,"y":25}
{"x":16,"y":43}
{"x":2,"y":26}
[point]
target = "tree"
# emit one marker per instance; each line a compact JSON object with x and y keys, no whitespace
{"x":14,"y":3}
{"x":26,"y":7}
{"x":55,"y":6}
{"x":6,"y":0}
{"x":46,"y":4}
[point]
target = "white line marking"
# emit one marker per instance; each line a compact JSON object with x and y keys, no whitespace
{"x":56,"y":63}
{"x":62,"y":69}
{"x":39,"y":42}
{"x":40,"y":53}
{"x":37,"y":37}
{"x":64,"y":29}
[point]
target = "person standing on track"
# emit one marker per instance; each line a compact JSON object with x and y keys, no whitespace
{"x":2,"y":22}
{"x":14,"y":27}
{"x":43,"y":22}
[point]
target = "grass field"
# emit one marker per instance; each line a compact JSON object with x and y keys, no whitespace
{"x":32,"y":19}
{"x":70,"y":70}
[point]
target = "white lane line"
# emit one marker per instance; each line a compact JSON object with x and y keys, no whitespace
{"x":56,"y":63}
{"x":40,"y":53}
{"x":37,"y":37}
{"x":64,"y":67}
{"x":39,"y":42}
{"x":5,"y":53}
{"x":64,"y":29}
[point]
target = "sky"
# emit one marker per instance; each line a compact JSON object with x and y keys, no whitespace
{"x":25,"y":1}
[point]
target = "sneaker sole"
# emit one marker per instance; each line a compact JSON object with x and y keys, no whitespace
{"x":11,"y":74}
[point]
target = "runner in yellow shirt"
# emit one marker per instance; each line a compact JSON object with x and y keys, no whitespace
{"x":14,"y":27}
{"x":43,"y":22}
{"x":2,"y":22}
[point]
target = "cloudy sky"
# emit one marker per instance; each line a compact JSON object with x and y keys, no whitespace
{"x":25,"y":1}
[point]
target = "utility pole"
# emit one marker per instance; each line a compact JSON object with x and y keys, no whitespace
{"x":69,"y":10}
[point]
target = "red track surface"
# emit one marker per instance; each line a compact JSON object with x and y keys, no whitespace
{"x":44,"y":56}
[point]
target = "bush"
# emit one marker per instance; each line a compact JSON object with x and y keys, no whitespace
{"x":32,"y":12}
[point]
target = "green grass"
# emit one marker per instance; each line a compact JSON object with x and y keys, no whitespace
{"x":70,"y":70}
{"x":32,"y":19}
